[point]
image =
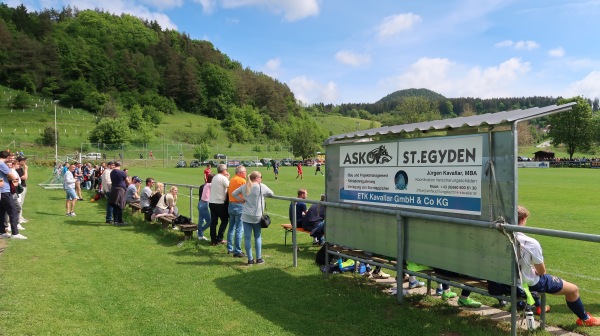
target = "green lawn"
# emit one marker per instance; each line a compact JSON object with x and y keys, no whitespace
{"x":79,"y":276}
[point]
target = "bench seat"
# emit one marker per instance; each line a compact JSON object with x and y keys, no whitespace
{"x":288,"y":230}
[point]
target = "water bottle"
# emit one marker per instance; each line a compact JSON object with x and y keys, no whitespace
{"x":529,"y":319}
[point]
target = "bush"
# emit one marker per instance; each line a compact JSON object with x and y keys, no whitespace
{"x":47,"y":138}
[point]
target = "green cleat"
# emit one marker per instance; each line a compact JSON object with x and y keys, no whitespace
{"x":448,"y":295}
{"x":468,"y":302}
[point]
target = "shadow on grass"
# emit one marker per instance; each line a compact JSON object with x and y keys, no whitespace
{"x":311,"y":305}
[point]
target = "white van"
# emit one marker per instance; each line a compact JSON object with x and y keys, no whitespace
{"x":92,"y":156}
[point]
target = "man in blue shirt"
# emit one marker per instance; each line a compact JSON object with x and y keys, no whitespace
{"x":300,"y":208}
{"x":7,"y":202}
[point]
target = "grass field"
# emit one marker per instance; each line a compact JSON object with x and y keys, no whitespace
{"x":79,"y":276}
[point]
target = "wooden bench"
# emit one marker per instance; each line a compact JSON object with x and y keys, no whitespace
{"x":187,"y":229}
{"x":288,"y":229}
{"x":135,"y":207}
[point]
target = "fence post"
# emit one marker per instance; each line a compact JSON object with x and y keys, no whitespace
{"x":294,"y":242}
{"x":191,"y":212}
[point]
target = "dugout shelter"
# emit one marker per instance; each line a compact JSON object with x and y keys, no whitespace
{"x":431,"y":193}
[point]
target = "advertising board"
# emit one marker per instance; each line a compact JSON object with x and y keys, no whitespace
{"x":440,"y":174}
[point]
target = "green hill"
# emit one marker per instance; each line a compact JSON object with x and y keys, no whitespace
{"x":179,"y":132}
{"x":396,"y":97}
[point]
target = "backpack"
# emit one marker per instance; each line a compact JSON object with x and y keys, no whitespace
{"x":181,"y":219}
{"x":320,"y":258}
{"x":154,"y":199}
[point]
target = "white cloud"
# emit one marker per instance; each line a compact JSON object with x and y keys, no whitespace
{"x":455,"y":80}
{"x":310,"y":91}
{"x":353,"y":59}
{"x":527,"y":45}
{"x":208,"y":6}
{"x":505,"y":43}
{"x":588,"y":87}
{"x":395,"y":24}
{"x":273,"y":68}
{"x":558,"y":52}
{"x":292,"y":10}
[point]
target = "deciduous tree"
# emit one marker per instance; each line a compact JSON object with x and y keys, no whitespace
{"x":572,"y":128}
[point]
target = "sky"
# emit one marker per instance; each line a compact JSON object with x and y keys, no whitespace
{"x":359,"y":51}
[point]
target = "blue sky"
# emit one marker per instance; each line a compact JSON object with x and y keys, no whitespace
{"x":358,"y":51}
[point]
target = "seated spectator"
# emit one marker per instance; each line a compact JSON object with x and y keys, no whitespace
{"x":167,"y":204}
{"x":155,"y":198}
{"x":314,"y":221}
{"x":300,"y":208}
{"x":132,"y":195}
{"x":146,"y":194}
{"x":533,"y":271}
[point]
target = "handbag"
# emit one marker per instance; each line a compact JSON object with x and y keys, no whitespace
{"x":265,"y":220}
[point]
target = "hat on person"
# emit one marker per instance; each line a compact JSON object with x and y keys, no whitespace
{"x":136,"y":179}
{"x":110,"y":163}
{"x":21,"y":158}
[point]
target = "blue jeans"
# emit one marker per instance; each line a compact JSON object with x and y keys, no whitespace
{"x":109,"y":212}
{"x":248,"y":228}
{"x":318,"y":231}
{"x":235,"y":225}
{"x":204,"y":217}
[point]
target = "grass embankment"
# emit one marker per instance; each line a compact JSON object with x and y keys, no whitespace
{"x":22,"y":127}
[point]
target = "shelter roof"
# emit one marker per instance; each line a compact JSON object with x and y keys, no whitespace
{"x":498,"y":118}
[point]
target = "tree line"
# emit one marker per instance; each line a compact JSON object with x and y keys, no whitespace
{"x":120,"y":67}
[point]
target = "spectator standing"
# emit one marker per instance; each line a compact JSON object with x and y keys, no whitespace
{"x":234,"y":244}
{"x":252,"y":194}
{"x":116,"y":198}
{"x":218,"y":205}
{"x":78,"y":174}
{"x":300,"y":208}
{"x":69,"y":186}
{"x":22,"y":170}
{"x":203,"y":211}
{"x":106,"y":187}
{"x":8,"y":205}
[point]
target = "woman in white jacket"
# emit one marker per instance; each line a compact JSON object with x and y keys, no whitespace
{"x":253,"y":204}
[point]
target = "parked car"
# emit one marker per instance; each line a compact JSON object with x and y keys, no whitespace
{"x":264,"y":161}
{"x":92,"y":156}
{"x":309,"y":162}
{"x":181,"y":164}
{"x":286,"y":162}
{"x":296,"y":162}
{"x":220,"y":156}
{"x":273,"y":161}
{"x":252,"y":164}
{"x":195,"y":164}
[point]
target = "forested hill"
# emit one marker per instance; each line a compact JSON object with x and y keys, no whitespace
{"x":448,"y":107}
{"x":90,"y":58}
